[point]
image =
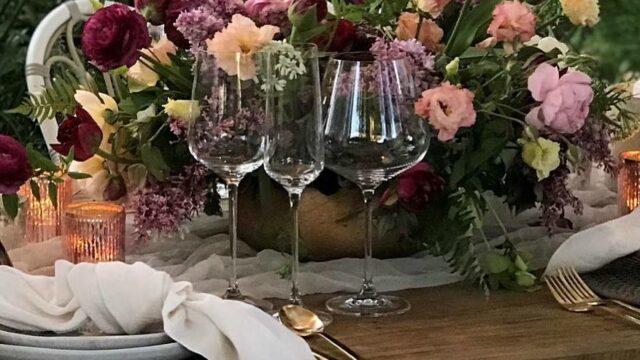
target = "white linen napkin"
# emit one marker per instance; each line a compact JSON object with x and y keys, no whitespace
{"x":126,"y":299}
{"x":595,"y":247}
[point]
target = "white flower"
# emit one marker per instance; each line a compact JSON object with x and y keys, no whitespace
{"x":142,"y":77}
{"x":185,"y":110}
{"x":289,"y":65}
{"x":548,"y":44}
{"x":97,"y":106}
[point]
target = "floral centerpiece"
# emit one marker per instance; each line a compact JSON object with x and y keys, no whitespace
{"x":514,"y":110}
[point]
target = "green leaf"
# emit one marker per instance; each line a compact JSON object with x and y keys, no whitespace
{"x":35,"y":189}
{"x":78,"y":175}
{"x":39,"y":161}
{"x":11,"y":205}
{"x":472,"y":23}
{"x":495,"y":263}
{"x":154,"y":162}
{"x":53,"y":193}
{"x":521,"y":264}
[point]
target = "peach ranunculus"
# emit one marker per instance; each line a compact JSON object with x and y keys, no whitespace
{"x":142,"y":77}
{"x":447,"y":108}
{"x":97,"y":106}
{"x":243,"y":37}
{"x":581,"y":12}
{"x":433,"y":7}
{"x":513,"y":22}
{"x":430,"y":33}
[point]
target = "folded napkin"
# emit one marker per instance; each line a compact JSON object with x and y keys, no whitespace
{"x":595,"y":247}
{"x":126,"y":299}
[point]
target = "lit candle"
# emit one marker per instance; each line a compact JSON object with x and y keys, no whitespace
{"x":43,"y":218}
{"x":94,"y":232}
{"x":629,"y":182}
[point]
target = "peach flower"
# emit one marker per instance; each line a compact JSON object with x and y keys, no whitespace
{"x":513,"y":22}
{"x":433,"y":7}
{"x":430,"y":33}
{"x":142,"y":77}
{"x":447,"y":108}
{"x":243,"y":37}
{"x":581,"y":12}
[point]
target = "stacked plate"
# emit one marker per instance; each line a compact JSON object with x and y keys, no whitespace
{"x":22,"y":346}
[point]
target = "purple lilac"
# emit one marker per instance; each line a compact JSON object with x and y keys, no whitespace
{"x":556,"y":196}
{"x":165,"y":205}
{"x":420,"y":59}
{"x":202,"y":22}
{"x":594,"y":140}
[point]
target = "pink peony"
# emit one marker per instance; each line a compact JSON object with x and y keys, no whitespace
{"x":565,"y":99}
{"x":447,"y":108}
{"x":113,"y":37}
{"x":513,"y":21}
{"x":14,"y":164}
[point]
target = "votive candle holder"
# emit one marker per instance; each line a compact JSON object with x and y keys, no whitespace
{"x":43,"y":217}
{"x":94,"y":232}
{"x":629,"y":182}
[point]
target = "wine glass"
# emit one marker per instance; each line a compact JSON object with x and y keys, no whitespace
{"x":371,"y":135}
{"x":228,"y":134}
{"x":295,"y":149}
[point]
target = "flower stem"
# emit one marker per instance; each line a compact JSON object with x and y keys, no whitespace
{"x":457,"y":26}
{"x":114,"y":158}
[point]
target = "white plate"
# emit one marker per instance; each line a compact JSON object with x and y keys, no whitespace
{"x":160,"y":352}
{"x":78,"y":342}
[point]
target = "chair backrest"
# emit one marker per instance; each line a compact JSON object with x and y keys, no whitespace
{"x":58,"y":23}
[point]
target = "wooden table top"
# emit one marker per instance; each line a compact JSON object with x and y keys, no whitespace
{"x":457,"y":322}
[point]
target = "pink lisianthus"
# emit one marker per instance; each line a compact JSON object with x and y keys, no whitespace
{"x":565,"y":99}
{"x":114,"y":36}
{"x":447,"y":108}
{"x":513,"y":22}
{"x":14,"y":165}
{"x":415,"y":188}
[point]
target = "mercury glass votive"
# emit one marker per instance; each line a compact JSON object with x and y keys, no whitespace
{"x":629,"y":182}
{"x":43,"y":218}
{"x":94,"y":232}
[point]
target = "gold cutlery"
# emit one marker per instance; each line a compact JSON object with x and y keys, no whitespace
{"x":306,"y":323}
{"x":567,"y":296}
{"x":572,"y":277}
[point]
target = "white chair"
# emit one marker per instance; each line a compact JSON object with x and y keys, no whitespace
{"x":59,"y":23}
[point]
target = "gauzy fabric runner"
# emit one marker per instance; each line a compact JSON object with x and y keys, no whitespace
{"x":126,"y":299}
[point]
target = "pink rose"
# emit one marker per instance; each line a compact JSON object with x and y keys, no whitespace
{"x":513,"y":21}
{"x":447,"y":108}
{"x":565,"y":99}
{"x":114,"y":36}
{"x":14,"y":164}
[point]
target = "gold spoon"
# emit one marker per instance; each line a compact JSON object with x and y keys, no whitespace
{"x":306,"y":323}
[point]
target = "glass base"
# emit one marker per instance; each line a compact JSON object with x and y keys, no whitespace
{"x":235,"y":294}
{"x":371,"y":306}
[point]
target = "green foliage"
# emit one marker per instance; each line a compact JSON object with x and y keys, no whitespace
{"x":469,"y":25}
{"x":55,"y":99}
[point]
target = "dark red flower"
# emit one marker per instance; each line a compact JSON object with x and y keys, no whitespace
{"x":14,"y":165}
{"x":414,"y":188}
{"x":344,"y":35}
{"x":302,"y":6}
{"x":173,"y":10}
{"x":153,"y":10}
{"x":81,"y":132}
{"x":114,"y":36}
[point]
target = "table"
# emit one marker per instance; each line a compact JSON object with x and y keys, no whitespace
{"x":458,"y":322}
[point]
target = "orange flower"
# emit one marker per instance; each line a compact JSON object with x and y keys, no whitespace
{"x":430,"y":33}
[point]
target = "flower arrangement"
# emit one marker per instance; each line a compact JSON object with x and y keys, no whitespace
{"x":513,"y":108}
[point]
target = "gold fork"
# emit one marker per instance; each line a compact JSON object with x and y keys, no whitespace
{"x":566,"y":297}
{"x":572,"y":277}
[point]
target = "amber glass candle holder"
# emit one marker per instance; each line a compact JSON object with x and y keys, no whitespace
{"x":43,"y":218}
{"x":629,"y":182}
{"x":94,"y":232}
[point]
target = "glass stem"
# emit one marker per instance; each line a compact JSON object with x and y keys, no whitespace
{"x":294,"y":201}
{"x":368,"y":289}
{"x":233,"y":291}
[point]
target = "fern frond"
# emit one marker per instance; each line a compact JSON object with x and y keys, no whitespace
{"x":57,"y":98}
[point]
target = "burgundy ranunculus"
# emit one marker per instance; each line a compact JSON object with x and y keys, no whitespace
{"x":81,"y":132}
{"x":344,"y":35}
{"x":153,"y":10}
{"x":114,"y":36}
{"x":14,"y":165}
{"x":174,"y":9}
{"x":301,"y":6}
{"x":415,"y":188}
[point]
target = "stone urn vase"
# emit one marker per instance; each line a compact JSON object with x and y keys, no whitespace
{"x":331,"y":227}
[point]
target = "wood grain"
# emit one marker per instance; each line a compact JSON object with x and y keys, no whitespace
{"x":459,"y":322}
